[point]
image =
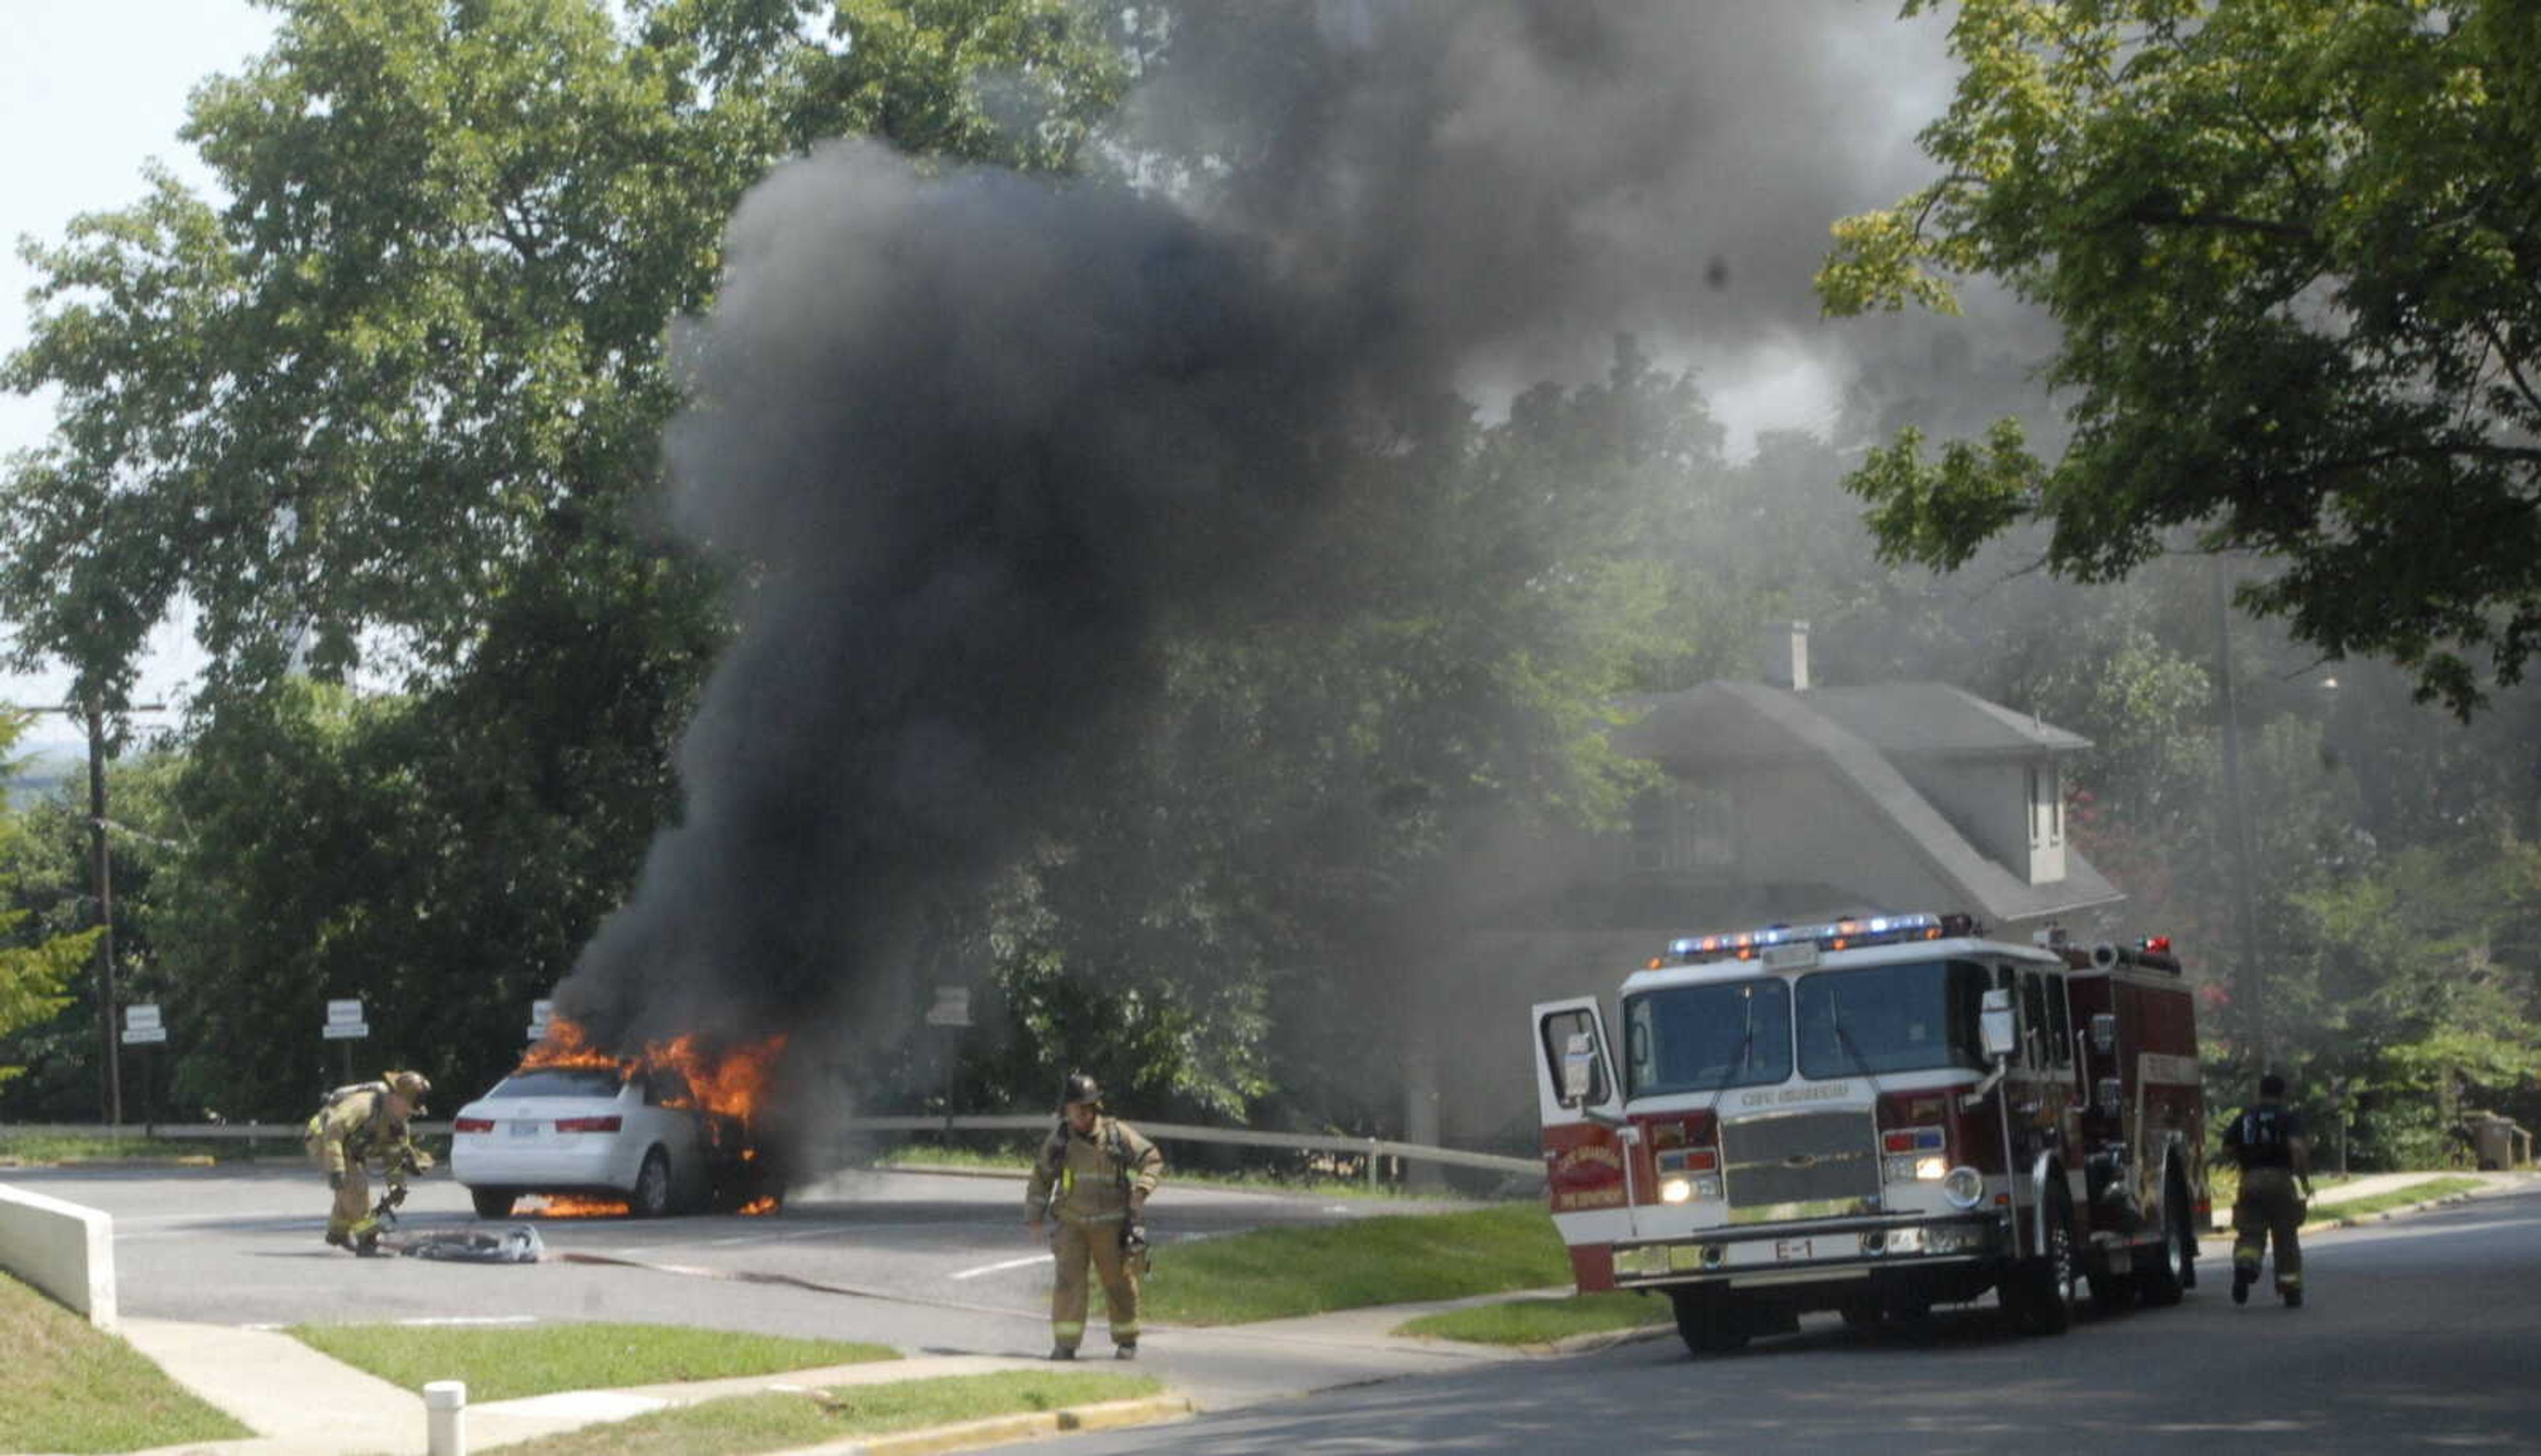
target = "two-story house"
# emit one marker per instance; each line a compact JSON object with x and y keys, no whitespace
{"x":1781,"y":804}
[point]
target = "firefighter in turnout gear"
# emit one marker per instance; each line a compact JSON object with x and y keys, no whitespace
{"x":2268,"y":1142}
{"x":355,"y":1126}
{"x":1091,"y":1179}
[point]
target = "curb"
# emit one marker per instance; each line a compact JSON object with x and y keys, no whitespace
{"x":998,"y":1430}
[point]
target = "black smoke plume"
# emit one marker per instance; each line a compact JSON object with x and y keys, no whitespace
{"x":965,"y":438}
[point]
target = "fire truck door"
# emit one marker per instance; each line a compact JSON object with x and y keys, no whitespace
{"x":1581,"y":1108}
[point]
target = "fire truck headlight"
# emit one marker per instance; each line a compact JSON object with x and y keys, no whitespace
{"x":1707,"y":1186}
{"x":1962,"y":1187}
{"x":1675,"y":1191}
{"x":1930,"y":1169}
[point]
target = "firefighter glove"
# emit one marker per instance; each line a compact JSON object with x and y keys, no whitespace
{"x":336,"y":1181}
{"x":1133,"y":1239}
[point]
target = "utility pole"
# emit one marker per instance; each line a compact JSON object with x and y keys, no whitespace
{"x":2249,"y":987}
{"x":93,"y":709}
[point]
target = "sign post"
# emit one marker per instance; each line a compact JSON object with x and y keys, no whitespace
{"x":952,"y":1012}
{"x":142,"y":1028}
{"x":344,"y":1023}
{"x":542,"y":1017}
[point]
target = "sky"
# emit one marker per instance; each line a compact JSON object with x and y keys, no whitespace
{"x":91,"y":91}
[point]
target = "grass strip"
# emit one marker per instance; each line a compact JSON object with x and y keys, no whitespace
{"x":510,"y":1361}
{"x":776,"y":1421}
{"x":1541,"y":1321}
{"x":2397,"y":1198}
{"x":1397,"y":1259}
{"x":35,"y":1150}
{"x":928,"y":1156}
{"x":66,"y":1387}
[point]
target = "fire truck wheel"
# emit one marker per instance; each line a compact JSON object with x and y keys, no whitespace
{"x":2165,"y":1280}
{"x":1710,"y":1323}
{"x":2039,"y":1293}
{"x":492,"y":1202}
{"x":652,"y":1196}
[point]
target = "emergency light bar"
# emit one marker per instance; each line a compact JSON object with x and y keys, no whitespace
{"x":1848,"y":933}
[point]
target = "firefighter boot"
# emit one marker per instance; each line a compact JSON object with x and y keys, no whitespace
{"x":2292,"y":1290}
{"x":2242,"y":1279}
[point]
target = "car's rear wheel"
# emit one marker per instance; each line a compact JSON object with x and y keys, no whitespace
{"x":492,"y":1202}
{"x":652,"y":1196}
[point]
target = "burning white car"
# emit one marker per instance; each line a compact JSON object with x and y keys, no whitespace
{"x":594,"y":1128}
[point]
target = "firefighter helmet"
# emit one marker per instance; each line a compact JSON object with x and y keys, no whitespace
{"x":413,"y":1086}
{"x":1080,"y":1089}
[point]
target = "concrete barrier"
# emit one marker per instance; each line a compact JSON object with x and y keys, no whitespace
{"x":65,"y":1250}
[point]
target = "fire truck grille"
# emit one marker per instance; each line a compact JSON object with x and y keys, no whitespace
{"x":1799,"y":1158}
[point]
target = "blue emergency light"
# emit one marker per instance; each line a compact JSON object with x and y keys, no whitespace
{"x":1850,"y":933}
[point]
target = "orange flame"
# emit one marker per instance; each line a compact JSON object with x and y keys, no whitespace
{"x":757,"y":1207}
{"x":729,"y":1082}
{"x":563,"y":1206}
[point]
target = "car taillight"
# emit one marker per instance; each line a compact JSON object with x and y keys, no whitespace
{"x":588,"y":1124}
{"x":473,"y":1125}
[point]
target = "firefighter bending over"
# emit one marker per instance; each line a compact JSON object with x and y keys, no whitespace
{"x":1093,"y":1177}
{"x":2267,"y":1141}
{"x":355,"y":1125}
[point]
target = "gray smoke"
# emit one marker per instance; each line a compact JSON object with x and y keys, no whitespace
{"x":967,"y":439}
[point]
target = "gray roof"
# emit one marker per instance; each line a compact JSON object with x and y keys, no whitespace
{"x":1722,"y":725}
{"x":1921,"y":717}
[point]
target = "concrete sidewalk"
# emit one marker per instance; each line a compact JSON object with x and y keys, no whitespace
{"x":302,"y":1403}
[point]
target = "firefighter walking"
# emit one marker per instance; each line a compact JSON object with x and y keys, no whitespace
{"x":1091,"y":1179}
{"x":2267,"y":1141}
{"x":355,"y":1125}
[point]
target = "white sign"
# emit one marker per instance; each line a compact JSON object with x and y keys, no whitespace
{"x":344,"y":1013}
{"x":542,"y":1018}
{"x":952,"y":1006}
{"x":347,"y":1030}
{"x":141,"y":1016}
{"x":141,"y":1035}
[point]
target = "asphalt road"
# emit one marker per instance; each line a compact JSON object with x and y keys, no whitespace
{"x":925,"y":1263}
{"x":2418,"y":1333}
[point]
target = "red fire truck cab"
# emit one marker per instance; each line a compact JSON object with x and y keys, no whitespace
{"x":1877,"y":1115}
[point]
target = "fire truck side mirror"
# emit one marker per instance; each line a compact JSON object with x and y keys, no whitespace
{"x":2104,"y":1035}
{"x":1578,"y":1069}
{"x":1993,"y":1024}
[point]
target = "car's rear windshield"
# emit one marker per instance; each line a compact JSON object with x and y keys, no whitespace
{"x":560,"y":1082}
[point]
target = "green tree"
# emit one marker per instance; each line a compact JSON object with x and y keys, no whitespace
{"x":2291,"y":245}
{"x":36,"y":963}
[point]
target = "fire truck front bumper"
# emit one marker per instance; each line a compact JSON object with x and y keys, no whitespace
{"x":1801,"y":1253}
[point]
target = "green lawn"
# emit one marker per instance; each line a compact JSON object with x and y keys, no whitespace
{"x":41,"y":1151}
{"x":1399,"y":1259}
{"x":933,"y":1155}
{"x":780,"y":1421}
{"x":2397,"y":1198}
{"x":506,"y":1363}
{"x":1541,"y":1321}
{"x":65,"y":1387}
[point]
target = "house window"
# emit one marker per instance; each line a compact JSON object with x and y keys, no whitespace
{"x":2037,"y":827}
{"x":1681,"y":829}
{"x":2055,"y":805}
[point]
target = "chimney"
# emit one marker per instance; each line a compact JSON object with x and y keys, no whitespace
{"x":1783,"y":655}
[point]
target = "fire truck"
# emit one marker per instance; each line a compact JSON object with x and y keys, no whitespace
{"x":1877,"y":1114}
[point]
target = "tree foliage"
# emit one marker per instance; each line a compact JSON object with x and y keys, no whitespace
{"x":37,"y":962}
{"x":2292,"y":246}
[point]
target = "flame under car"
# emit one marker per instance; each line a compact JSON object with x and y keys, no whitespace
{"x":635,"y":1133}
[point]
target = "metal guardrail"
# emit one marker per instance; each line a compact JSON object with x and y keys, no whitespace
{"x":1374,"y":1150}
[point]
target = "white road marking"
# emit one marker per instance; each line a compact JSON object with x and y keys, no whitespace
{"x":971,"y":1274}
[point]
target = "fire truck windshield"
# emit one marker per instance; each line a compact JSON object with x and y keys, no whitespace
{"x":1908,"y":1017}
{"x":1699,"y":1038}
